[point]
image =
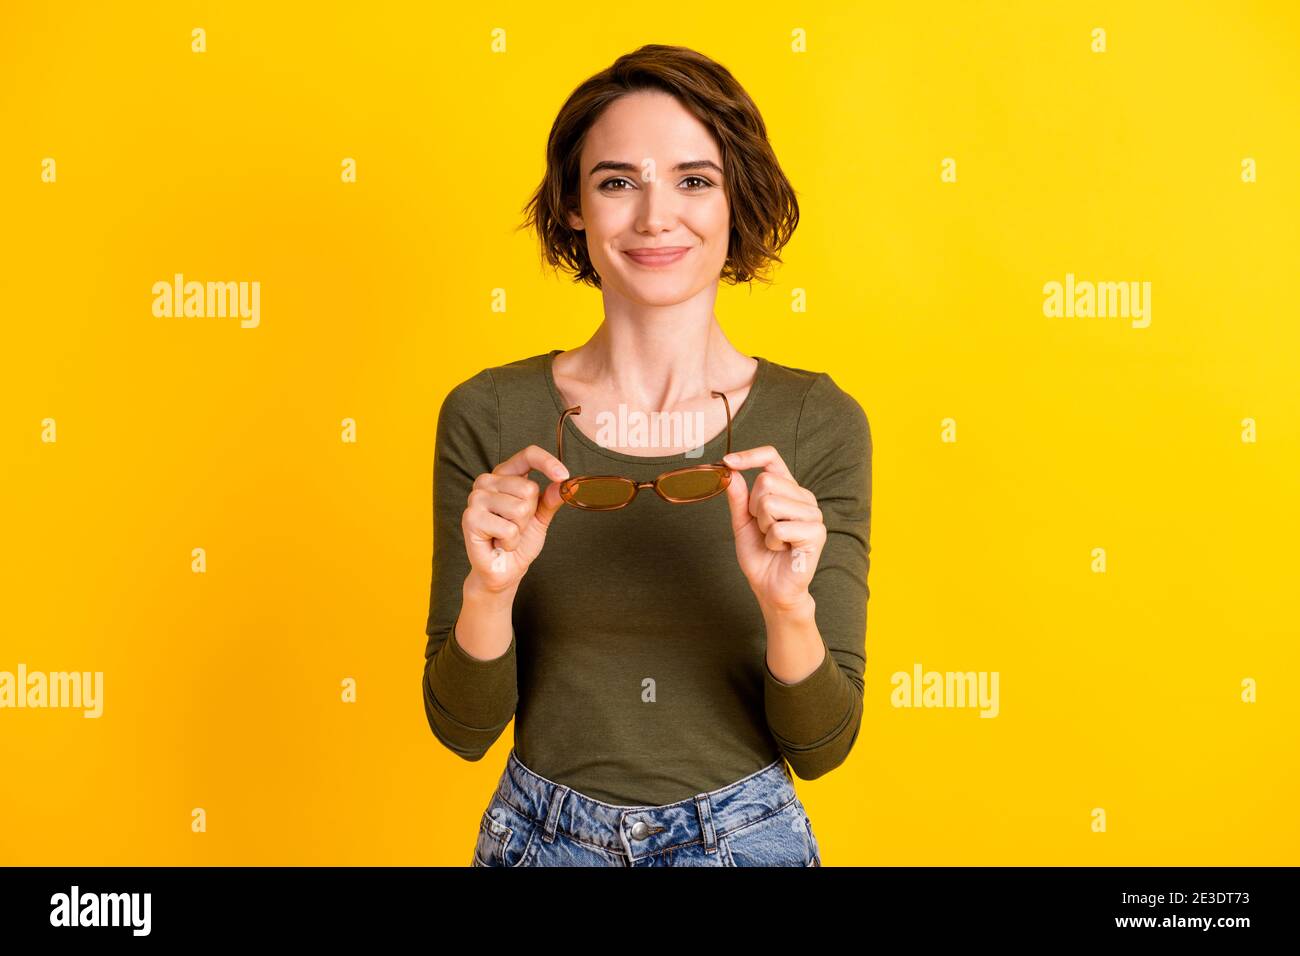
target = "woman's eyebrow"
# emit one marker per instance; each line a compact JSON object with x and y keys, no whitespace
{"x":633,"y":167}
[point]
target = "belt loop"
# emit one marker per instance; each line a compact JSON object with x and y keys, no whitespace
{"x":556,"y":800}
{"x":704,"y":810}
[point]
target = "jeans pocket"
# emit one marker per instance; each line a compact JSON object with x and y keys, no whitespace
{"x":783,"y":838}
{"x":506,"y":836}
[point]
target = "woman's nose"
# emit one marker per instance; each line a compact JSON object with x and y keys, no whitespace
{"x":656,"y":208}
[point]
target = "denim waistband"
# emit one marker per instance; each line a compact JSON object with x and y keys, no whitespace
{"x":640,"y":831}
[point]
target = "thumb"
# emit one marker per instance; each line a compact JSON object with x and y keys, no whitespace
{"x":534,"y":536}
{"x":738,"y":501}
{"x":549,"y":504}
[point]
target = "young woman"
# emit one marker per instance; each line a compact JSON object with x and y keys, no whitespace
{"x":670,"y":658}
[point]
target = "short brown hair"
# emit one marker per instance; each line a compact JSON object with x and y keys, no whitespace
{"x":764,"y":211}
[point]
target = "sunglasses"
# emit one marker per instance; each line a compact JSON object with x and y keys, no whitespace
{"x":681,"y":486}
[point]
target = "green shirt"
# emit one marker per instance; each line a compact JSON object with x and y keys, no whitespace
{"x":637,"y":672}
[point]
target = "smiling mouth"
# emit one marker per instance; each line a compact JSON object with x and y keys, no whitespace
{"x":657,"y":257}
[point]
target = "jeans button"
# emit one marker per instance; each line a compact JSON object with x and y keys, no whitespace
{"x":640,"y":830}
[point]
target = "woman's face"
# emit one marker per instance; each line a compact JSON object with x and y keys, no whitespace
{"x":650,"y":179}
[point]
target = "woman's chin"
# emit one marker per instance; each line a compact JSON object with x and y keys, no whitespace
{"x":658,"y":290}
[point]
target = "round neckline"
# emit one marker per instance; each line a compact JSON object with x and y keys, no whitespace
{"x":571,"y":428}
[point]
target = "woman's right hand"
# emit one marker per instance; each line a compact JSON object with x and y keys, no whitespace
{"x":508,"y":515}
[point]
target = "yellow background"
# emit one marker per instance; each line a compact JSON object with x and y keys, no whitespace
{"x":222,"y":690}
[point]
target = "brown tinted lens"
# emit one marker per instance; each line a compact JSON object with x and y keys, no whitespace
{"x":692,"y":485}
{"x":600,"y":492}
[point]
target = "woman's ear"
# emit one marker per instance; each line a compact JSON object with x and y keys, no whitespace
{"x":575,"y":222}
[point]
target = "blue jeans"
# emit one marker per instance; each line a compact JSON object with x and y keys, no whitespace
{"x":756,"y":821}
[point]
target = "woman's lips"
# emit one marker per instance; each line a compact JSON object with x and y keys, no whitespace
{"x":665,"y":256}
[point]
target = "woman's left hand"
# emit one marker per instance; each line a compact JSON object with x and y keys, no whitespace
{"x":778,"y":527}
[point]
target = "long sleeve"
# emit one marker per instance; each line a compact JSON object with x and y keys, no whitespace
{"x":816,"y":721}
{"x":468,"y":701}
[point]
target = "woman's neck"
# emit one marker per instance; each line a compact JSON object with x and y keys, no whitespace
{"x":654,"y":367}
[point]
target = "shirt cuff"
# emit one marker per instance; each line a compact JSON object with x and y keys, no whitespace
{"x":803,"y":714}
{"x":464,"y":660}
{"x":472,"y":692}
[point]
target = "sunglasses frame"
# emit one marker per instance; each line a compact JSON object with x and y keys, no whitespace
{"x":567,"y":485}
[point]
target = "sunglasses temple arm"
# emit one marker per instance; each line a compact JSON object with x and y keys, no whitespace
{"x":727,"y":404}
{"x":559,"y":430}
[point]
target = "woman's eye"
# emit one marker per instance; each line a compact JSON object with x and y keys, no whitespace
{"x":610,"y":184}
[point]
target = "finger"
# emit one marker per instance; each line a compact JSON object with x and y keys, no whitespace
{"x":487,"y":531}
{"x":794,"y":534}
{"x":518,"y":485}
{"x":534,"y":456}
{"x":518,"y":508}
{"x":774,"y":507}
{"x":770,"y":483}
{"x":765,"y":457}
